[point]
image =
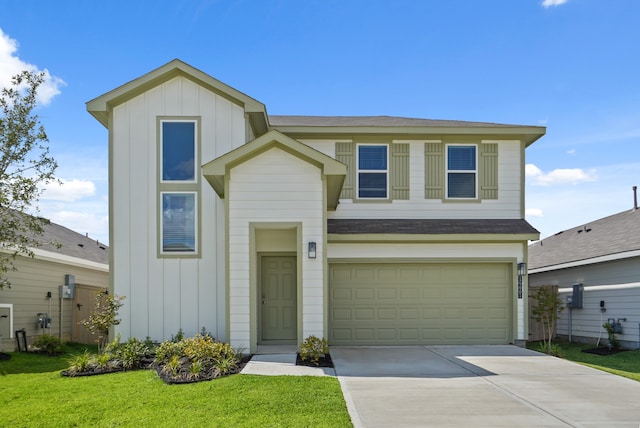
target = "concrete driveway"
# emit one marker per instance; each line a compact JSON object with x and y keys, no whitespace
{"x":479,"y":386}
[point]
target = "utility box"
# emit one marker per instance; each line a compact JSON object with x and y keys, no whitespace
{"x":577,"y":296}
{"x":6,"y":322}
{"x":68,"y":290}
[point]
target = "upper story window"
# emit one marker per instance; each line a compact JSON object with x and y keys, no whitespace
{"x":373,"y":171}
{"x":178,"y":150}
{"x":179,"y":222}
{"x":462,"y":171}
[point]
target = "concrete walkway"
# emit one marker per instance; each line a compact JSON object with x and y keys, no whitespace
{"x":479,"y":386}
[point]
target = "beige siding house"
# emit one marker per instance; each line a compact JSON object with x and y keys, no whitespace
{"x":35,"y":293}
{"x":267,"y":229}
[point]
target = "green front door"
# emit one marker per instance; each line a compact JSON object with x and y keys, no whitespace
{"x":279,"y":301}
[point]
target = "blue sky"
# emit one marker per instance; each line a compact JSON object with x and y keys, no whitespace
{"x":569,"y":65}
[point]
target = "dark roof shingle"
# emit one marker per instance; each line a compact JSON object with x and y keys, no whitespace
{"x":615,"y":234}
{"x":429,"y":226}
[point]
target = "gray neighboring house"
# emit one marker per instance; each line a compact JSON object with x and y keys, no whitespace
{"x":604,"y":257}
{"x":35,"y":302}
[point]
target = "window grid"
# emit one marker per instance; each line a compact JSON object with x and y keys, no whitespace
{"x":373,"y":171}
{"x":462,"y":171}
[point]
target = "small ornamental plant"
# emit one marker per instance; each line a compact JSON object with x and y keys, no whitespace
{"x":314,"y":348}
{"x":104,"y":316}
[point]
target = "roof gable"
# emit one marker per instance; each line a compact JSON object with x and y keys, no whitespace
{"x":101,"y":106}
{"x":216,"y":171}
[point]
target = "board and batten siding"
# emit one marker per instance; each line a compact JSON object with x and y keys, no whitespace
{"x":30,"y":285}
{"x":270,"y":188}
{"x":166,"y":294}
{"x":507,"y":204}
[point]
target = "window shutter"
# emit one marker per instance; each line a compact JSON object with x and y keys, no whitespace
{"x":345,"y":154}
{"x":488,"y":171}
{"x":434,"y":170}
{"x":399,"y":170}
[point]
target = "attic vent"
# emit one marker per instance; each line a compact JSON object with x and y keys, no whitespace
{"x":81,"y":245}
{"x":102,"y":248}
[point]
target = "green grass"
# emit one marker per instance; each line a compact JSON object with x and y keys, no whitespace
{"x":625,"y":364}
{"x":40,"y":397}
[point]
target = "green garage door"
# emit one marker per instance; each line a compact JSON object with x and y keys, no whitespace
{"x":413,"y":304}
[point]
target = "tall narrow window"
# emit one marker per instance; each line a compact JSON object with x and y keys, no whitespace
{"x":462,"y":172}
{"x":373,"y":171}
{"x":178,"y":187}
{"x":178,"y":155}
{"x":179,"y":222}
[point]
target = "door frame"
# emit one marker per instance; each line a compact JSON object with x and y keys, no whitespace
{"x":261,"y":257}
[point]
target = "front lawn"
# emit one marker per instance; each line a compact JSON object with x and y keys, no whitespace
{"x":625,"y":364}
{"x":139,"y":398}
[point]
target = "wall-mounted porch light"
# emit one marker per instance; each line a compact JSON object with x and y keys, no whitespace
{"x":312,"y":250}
{"x":522,"y":271}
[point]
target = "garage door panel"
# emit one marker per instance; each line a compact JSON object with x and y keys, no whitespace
{"x":398,"y":304}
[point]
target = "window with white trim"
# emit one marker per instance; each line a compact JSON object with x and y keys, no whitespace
{"x":462,"y":171}
{"x":373,"y":171}
{"x":179,"y":222}
{"x":178,"y":186}
{"x":178,"y":151}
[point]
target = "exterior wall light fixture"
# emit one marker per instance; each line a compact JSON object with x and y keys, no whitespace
{"x":312,"y":250}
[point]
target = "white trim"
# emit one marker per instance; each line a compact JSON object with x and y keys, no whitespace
{"x":603,"y":287}
{"x":195,"y":151}
{"x":459,"y":171}
{"x":50,"y":256}
{"x":371,"y":171}
{"x":10,"y":306}
{"x":195,"y":224}
{"x":593,"y":260}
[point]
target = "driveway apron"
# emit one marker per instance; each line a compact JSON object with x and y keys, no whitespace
{"x":479,"y":386}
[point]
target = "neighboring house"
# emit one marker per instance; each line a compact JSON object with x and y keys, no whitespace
{"x":34,"y":302}
{"x":603,"y":257}
{"x":267,"y":229}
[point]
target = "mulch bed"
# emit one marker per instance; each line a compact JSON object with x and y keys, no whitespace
{"x":603,"y":351}
{"x":322,"y":362}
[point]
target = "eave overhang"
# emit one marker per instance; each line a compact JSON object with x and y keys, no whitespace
{"x":216,"y":172}
{"x":527,"y":134}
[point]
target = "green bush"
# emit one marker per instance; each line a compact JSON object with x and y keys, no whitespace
{"x":195,"y":358}
{"x":314,"y":348}
{"x":48,"y":344}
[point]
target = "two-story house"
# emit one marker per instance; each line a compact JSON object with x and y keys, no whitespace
{"x":268,"y":229}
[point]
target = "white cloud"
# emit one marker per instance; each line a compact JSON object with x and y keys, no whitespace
{"x":69,"y":190}
{"x":533,"y":212}
{"x":11,"y":65}
{"x":549,"y":3}
{"x":558,"y":176}
{"x":571,"y":152}
{"x":85,"y":223}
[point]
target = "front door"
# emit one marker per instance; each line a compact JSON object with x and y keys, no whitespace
{"x":279,"y":301}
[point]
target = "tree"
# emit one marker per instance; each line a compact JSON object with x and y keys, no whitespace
{"x":25,"y":167}
{"x":546,"y":311}
{"x":104,"y":316}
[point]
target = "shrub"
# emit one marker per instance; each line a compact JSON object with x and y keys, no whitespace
{"x":80,"y":363}
{"x":314,"y":348}
{"x":614,"y":343}
{"x":48,"y":344}
{"x":195,"y":358}
{"x":104,"y":316}
{"x":552,"y":349}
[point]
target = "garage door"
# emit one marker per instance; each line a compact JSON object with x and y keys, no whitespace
{"x":409,"y":304}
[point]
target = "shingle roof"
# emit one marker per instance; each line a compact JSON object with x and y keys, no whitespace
{"x":382,"y":121}
{"x":73,"y":244}
{"x":429,"y":226}
{"x":611,"y":235}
